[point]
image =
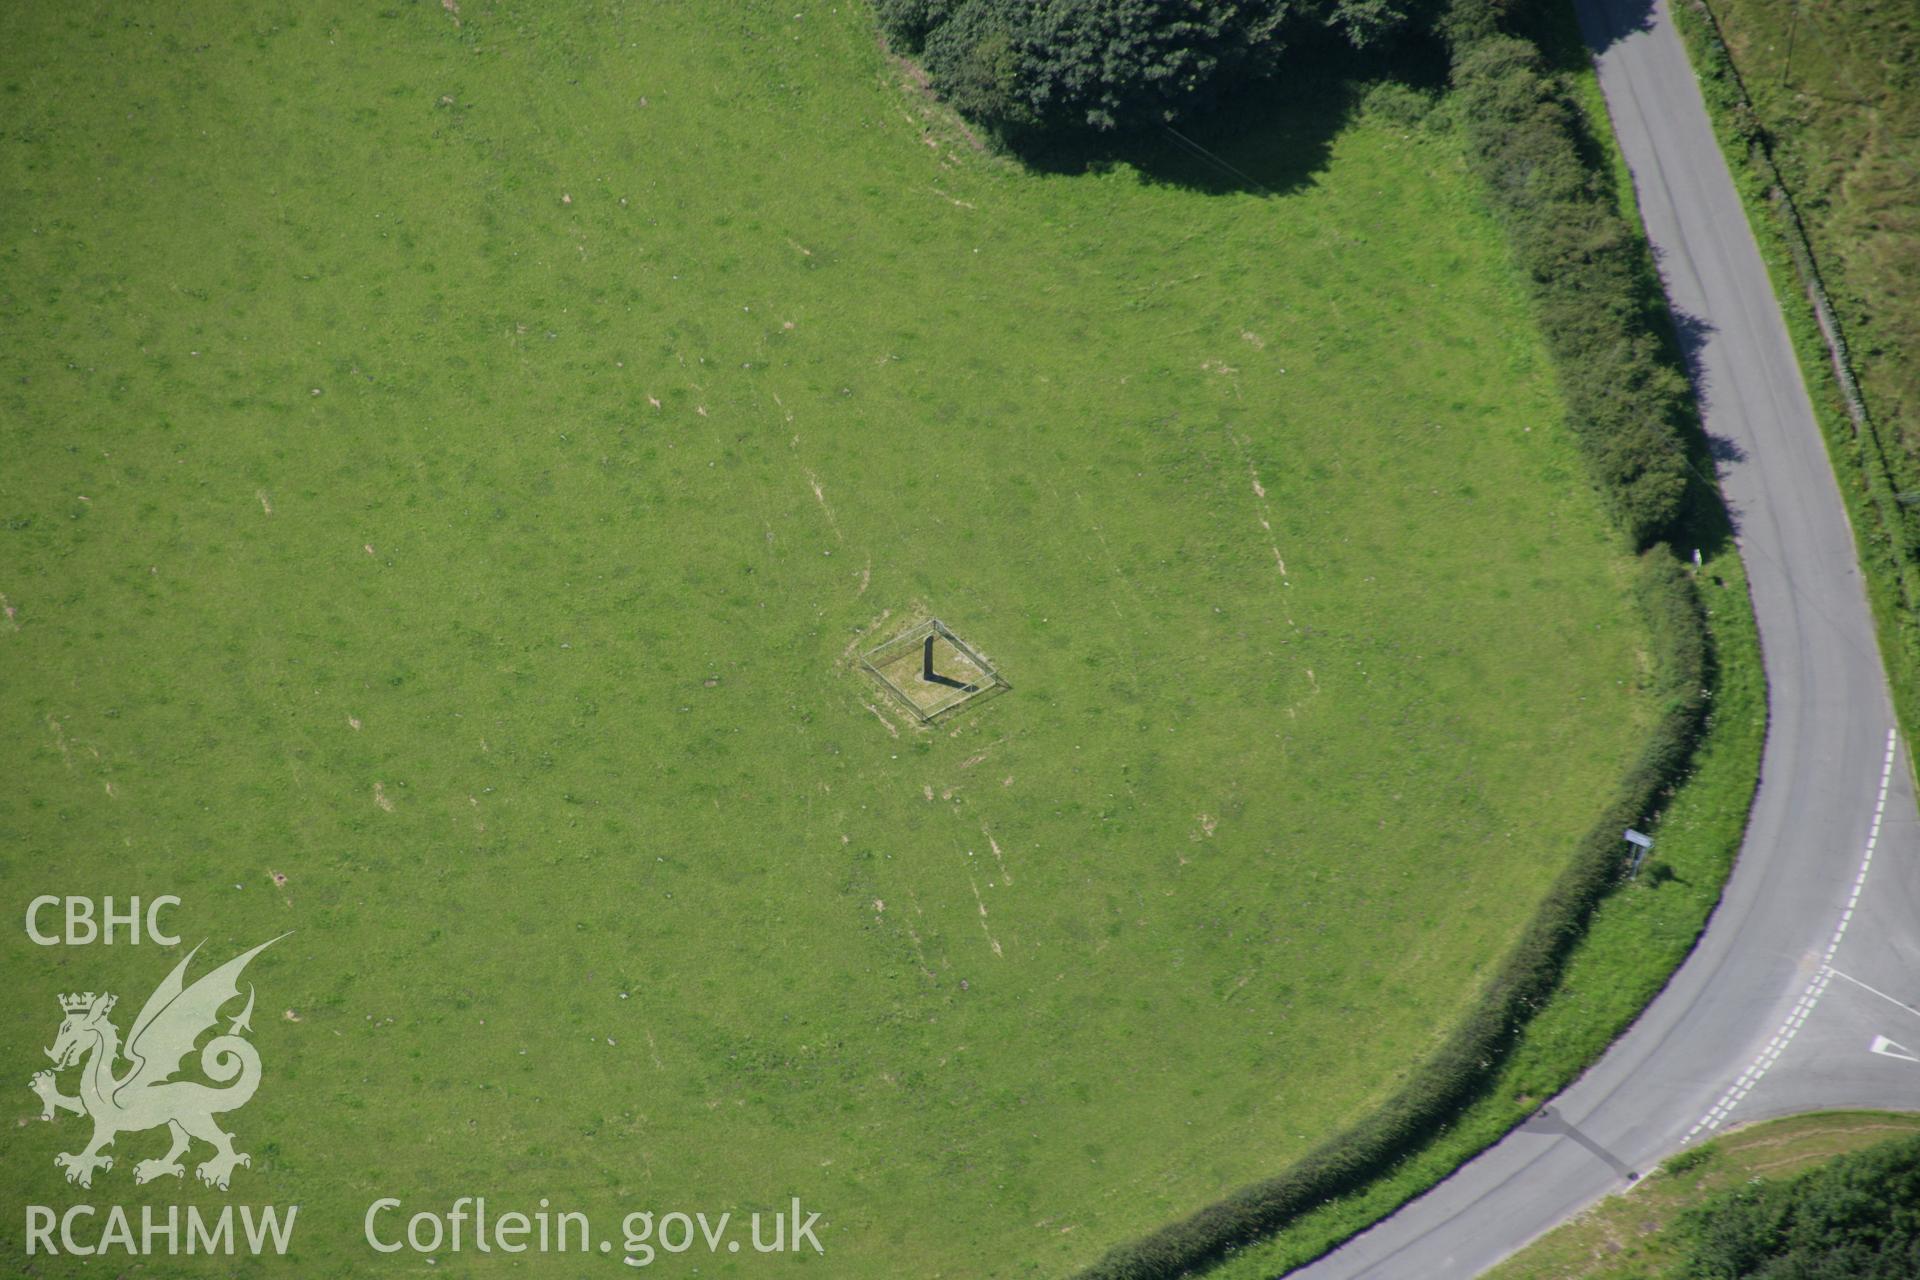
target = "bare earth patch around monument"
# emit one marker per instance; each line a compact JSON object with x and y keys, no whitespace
{"x":932,"y":671}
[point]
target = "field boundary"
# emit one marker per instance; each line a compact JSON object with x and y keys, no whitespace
{"x":1464,"y":1065}
{"x":1525,"y":142}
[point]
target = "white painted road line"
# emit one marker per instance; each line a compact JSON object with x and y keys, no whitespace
{"x":1828,"y":707}
{"x":1804,"y":1006}
{"x":1876,"y":992}
{"x":1891,"y":1049}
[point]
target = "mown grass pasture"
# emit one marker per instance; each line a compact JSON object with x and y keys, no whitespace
{"x":453,"y":459}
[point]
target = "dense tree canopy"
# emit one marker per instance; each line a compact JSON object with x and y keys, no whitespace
{"x":1858,"y":1218}
{"x":1113,"y":64}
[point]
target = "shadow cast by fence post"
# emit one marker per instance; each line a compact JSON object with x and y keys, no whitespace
{"x":1551,"y":1123}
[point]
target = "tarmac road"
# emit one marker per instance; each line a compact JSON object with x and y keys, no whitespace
{"x":1805,"y":989}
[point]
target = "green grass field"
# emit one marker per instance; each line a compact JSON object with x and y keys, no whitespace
{"x":450,"y":465}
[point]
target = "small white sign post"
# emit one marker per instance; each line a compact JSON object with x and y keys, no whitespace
{"x":1641,"y":843}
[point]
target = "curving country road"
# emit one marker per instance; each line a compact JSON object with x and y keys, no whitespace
{"x":1805,"y":989}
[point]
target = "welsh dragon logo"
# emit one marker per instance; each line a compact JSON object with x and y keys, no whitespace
{"x":145,"y":1095}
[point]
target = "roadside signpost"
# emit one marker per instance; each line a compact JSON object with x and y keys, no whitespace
{"x":1641,"y":843}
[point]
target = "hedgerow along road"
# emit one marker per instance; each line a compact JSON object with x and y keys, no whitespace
{"x":1804,"y":991}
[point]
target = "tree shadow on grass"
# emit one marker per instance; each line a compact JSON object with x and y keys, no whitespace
{"x":1268,"y":138}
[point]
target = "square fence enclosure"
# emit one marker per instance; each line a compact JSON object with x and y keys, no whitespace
{"x":931,"y":671}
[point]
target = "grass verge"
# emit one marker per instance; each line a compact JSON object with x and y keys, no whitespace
{"x":1827,"y":94}
{"x":1633,"y":1236}
{"x":1870,"y":474}
{"x":1637,"y":937}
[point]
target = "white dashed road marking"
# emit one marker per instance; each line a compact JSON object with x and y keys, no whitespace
{"x":1803,"y":1008}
